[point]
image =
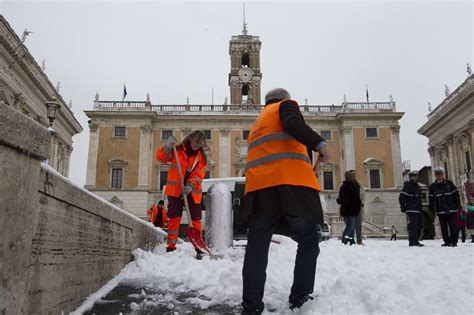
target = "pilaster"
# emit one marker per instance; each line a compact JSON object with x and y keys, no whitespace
{"x":146,"y":145}
{"x":396,"y":156}
{"x":92,"y":156}
{"x":224,"y":153}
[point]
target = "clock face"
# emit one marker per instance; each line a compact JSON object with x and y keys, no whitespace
{"x":245,"y":74}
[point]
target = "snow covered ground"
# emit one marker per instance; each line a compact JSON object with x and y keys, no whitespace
{"x":382,"y":277}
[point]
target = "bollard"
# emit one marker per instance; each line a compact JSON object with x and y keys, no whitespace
{"x":219,"y":230}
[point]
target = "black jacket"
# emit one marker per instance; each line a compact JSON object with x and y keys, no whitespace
{"x":349,"y":199}
{"x":288,"y":199}
{"x":410,"y":198}
{"x":444,"y":197}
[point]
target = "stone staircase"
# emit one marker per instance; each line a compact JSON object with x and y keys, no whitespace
{"x":369,"y":229}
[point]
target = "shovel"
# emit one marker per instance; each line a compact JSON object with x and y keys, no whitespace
{"x":194,"y":236}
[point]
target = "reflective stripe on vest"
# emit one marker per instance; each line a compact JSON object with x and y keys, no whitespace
{"x":278,"y":156}
{"x":274,"y":157}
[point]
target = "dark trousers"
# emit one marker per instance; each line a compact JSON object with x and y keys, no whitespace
{"x":414,"y":227}
{"x":260,"y":230}
{"x":394,"y":237}
{"x":449,"y":231}
{"x":176,"y":205}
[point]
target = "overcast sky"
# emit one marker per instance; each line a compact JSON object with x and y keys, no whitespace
{"x":318,"y":50}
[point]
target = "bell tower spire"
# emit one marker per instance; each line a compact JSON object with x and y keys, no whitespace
{"x":244,"y":29}
{"x":245,"y":76}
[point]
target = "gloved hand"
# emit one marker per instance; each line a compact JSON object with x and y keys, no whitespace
{"x":188,"y":188}
{"x":402,"y":210}
{"x":171,"y":141}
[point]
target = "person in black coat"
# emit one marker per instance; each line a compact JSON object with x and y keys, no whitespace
{"x":349,"y":199}
{"x":444,"y":198}
{"x":411,"y":204}
{"x":293,"y":210}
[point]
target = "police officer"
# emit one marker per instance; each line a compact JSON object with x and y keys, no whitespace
{"x":410,"y":204}
{"x":444,"y":198}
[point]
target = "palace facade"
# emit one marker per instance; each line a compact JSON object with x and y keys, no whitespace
{"x":124,"y":137}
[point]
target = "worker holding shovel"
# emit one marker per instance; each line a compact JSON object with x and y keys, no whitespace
{"x":185,"y":175}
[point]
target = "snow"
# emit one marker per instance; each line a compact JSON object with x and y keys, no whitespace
{"x":382,"y":277}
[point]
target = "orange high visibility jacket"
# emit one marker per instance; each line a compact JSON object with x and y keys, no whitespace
{"x":152,"y":213}
{"x":275,"y":158}
{"x":196,"y":165}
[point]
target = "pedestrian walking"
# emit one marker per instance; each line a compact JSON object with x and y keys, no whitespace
{"x":360,"y":216}
{"x":281,"y":188}
{"x":411,"y":204}
{"x":349,"y":199}
{"x":193,"y":165}
{"x":394,"y":233}
{"x":444,"y":198}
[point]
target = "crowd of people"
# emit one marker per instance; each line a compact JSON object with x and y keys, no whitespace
{"x":287,"y":202}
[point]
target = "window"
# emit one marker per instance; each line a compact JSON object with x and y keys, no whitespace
{"x":328,"y":180}
{"x":207,"y":133}
{"x":371,"y":133}
{"x":207,"y":175}
{"x":468,"y":161}
{"x":326,"y":134}
{"x":119,"y":132}
{"x":375,"y":179}
{"x":163,"y":177}
{"x":165,"y":134}
{"x":245,"y":59}
{"x":116,"y":178}
{"x":446,"y":174}
{"x":245,"y":134}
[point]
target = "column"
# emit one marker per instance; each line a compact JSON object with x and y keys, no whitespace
{"x":92,"y":157}
{"x":144,"y":160}
{"x":431,"y":151}
{"x":396,"y":156}
{"x":349,"y":159}
{"x":452,"y":159}
{"x":224,"y":153}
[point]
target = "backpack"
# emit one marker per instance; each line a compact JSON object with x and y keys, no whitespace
{"x":460,"y":218}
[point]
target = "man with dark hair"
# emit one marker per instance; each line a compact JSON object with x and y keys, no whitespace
{"x":281,"y":188}
{"x":411,"y":205}
{"x":444,"y":198}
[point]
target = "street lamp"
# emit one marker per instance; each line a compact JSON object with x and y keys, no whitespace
{"x":52,"y":109}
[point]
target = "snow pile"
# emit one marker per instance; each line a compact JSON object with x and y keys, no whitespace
{"x":382,"y":277}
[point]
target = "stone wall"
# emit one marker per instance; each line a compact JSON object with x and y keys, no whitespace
{"x":59,"y":243}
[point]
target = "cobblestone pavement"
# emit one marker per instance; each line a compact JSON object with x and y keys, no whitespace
{"x":132,"y":299}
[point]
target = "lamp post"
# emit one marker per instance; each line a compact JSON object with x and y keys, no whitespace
{"x":52,"y":110}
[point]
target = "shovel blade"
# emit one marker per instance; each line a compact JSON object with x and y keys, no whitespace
{"x":194,"y":236}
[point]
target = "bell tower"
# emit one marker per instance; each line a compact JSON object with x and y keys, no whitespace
{"x":245,"y":76}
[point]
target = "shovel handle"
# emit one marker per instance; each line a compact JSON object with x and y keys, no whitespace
{"x":183,"y":193}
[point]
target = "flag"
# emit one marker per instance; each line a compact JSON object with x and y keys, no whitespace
{"x":367,"y":92}
{"x":124,"y":92}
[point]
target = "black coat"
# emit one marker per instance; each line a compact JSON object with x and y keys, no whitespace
{"x":410,"y":198}
{"x":349,"y":199}
{"x":444,"y":197}
{"x":288,"y":199}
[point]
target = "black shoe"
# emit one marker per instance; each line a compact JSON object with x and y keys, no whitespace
{"x":446,"y":244}
{"x":170,"y":249}
{"x":298,"y":301}
{"x":199,"y":255}
{"x":454,"y":244}
{"x":419,"y":244}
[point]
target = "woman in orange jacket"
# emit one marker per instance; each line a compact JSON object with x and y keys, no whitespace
{"x":193,"y":165}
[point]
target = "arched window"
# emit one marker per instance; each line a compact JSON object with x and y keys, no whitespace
{"x":245,"y":60}
{"x":245,"y":89}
